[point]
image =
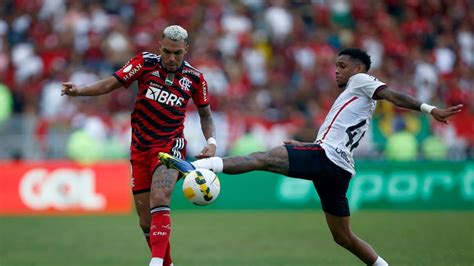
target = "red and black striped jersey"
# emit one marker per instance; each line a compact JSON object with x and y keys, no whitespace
{"x":162,"y":96}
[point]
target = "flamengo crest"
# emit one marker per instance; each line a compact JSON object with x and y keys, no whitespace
{"x":185,"y":84}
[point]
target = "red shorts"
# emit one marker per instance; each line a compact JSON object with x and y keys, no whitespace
{"x":144,"y":163}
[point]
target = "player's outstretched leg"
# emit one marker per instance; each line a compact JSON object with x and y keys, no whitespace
{"x":181,"y":165}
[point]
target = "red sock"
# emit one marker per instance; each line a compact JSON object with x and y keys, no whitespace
{"x":168,"y":260}
{"x":160,"y":231}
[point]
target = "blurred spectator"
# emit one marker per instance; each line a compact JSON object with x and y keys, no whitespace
{"x":255,"y":55}
{"x":246,"y":144}
{"x":6,"y":103}
{"x":84,"y":148}
{"x":117,"y":46}
{"x":401,"y":145}
{"x":465,"y":39}
{"x":433,"y":148}
{"x":51,"y":104}
{"x":52,"y":8}
{"x":425,"y":77}
{"x":445,"y":57}
{"x":25,"y":52}
{"x":279,"y":20}
{"x":464,"y":128}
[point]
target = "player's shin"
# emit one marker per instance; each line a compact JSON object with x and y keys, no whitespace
{"x":159,"y":234}
{"x":168,"y":261}
{"x":147,"y":238}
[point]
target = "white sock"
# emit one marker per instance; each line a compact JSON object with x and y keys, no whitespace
{"x":156,"y":262}
{"x":380,"y":262}
{"x":214,"y":163}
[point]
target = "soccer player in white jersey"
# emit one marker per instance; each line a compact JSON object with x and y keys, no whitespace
{"x":328,"y":161}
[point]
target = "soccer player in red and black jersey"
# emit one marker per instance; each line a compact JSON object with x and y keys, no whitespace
{"x":165,"y":85}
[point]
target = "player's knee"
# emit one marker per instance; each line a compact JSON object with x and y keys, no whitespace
{"x":160,"y":198}
{"x":145,"y":226}
{"x":144,"y":220}
{"x":342,"y":239}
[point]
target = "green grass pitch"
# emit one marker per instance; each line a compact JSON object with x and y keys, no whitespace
{"x":239,"y":238}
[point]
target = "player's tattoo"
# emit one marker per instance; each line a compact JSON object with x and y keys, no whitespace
{"x":163,"y":183}
{"x":275,"y":160}
{"x":399,"y":99}
{"x":207,"y":123}
{"x":164,"y":178}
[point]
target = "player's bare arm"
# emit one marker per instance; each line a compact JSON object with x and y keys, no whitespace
{"x":208,"y":130}
{"x":406,"y":101}
{"x":398,"y":99}
{"x":97,"y":88}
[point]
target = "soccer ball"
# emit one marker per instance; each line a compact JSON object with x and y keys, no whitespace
{"x":201,"y":186}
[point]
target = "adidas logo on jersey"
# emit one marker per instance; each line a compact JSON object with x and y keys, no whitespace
{"x":162,"y":96}
{"x":156,"y":73}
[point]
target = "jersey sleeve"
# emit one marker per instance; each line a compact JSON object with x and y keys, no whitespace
{"x":365,"y":85}
{"x":130,"y":71}
{"x":201,"y":94}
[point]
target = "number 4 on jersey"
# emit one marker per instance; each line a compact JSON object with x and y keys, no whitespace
{"x":352,"y":132}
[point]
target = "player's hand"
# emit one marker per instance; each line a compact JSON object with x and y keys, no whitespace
{"x":208,"y":151}
{"x":442,"y":115}
{"x":293,"y":142}
{"x":70,"y":89}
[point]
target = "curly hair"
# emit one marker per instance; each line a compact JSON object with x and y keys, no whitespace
{"x":358,"y":54}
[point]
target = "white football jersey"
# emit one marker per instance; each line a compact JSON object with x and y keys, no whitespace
{"x":348,"y":119}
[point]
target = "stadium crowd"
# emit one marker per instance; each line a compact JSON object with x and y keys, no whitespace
{"x":269,"y":66}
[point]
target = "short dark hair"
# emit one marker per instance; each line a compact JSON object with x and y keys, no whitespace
{"x":358,"y":54}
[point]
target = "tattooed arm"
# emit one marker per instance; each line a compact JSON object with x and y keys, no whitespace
{"x":406,"y":101}
{"x":208,"y":130}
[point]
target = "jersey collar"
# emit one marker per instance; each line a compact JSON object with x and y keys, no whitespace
{"x":177,"y":70}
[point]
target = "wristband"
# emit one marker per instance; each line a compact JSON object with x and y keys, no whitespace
{"x":426,"y":108}
{"x":212,"y":140}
